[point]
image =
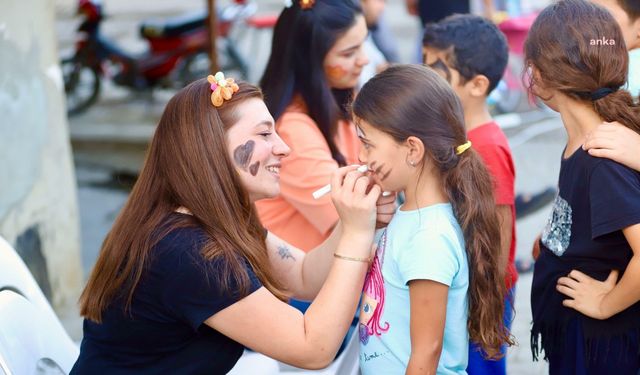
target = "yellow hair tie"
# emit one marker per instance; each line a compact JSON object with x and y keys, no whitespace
{"x":463,"y":147}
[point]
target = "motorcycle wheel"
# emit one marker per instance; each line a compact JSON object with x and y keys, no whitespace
{"x":81,"y":85}
{"x":196,"y":65}
{"x":192,"y":67}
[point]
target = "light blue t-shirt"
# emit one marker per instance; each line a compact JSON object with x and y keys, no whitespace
{"x":423,"y":244}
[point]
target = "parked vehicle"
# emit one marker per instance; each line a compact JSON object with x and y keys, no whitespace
{"x":511,"y":94}
{"x":177,"y":53}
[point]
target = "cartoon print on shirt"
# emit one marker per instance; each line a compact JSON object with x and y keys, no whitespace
{"x":372,"y":303}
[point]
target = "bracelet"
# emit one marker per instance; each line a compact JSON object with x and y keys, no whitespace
{"x":364,"y":260}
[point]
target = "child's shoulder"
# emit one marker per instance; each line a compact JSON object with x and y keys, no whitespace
{"x":608,"y":169}
{"x":440,"y":226}
{"x":488,"y":135}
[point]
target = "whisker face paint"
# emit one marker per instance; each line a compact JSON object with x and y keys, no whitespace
{"x":380,"y":171}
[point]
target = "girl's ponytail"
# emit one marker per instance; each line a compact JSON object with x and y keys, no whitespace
{"x":470,"y":190}
{"x":619,"y":106}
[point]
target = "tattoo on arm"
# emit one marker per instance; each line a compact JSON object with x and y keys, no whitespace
{"x":284,"y":252}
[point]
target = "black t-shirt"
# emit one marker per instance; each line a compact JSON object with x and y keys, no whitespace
{"x":165,"y":334}
{"x":597,"y":199}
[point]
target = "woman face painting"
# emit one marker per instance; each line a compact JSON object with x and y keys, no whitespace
{"x":256,"y":150}
{"x":344,"y":61}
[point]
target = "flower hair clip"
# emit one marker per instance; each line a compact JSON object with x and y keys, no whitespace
{"x":307,"y":4}
{"x":304,"y":4}
{"x":222,"y":88}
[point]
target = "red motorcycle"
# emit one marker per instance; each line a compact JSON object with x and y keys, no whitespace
{"x":177,"y":53}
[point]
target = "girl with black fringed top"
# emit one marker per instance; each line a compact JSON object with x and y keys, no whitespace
{"x":583,"y":324}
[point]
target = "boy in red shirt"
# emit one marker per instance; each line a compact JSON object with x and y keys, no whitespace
{"x":471,"y":54}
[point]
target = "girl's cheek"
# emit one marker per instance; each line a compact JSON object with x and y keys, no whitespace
{"x":336,"y":71}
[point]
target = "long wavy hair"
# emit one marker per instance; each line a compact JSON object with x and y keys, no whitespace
{"x":423,"y":105}
{"x":563,"y":47}
{"x":301,"y":40}
{"x":188,"y":165}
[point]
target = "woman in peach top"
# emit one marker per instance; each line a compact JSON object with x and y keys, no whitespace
{"x":315,"y":63}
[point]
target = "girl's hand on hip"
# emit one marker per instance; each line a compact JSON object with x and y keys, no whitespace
{"x":356,"y":207}
{"x":615,"y":141}
{"x":586,"y":293}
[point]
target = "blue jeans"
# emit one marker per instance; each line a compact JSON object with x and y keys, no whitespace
{"x":478,"y":364}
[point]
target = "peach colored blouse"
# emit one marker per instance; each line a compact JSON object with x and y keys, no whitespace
{"x":295,"y":216}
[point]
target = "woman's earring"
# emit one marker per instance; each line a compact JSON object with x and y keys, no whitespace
{"x":411,"y":163}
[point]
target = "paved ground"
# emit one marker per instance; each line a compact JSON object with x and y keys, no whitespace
{"x":119,"y":114}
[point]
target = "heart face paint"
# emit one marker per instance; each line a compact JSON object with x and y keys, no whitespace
{"x":242,"y":156}
{"x":256,"y":150}
{"x":253,"y":169}
{"x":243,"y":153}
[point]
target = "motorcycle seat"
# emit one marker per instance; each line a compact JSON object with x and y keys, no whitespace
{"x":173,"y":27}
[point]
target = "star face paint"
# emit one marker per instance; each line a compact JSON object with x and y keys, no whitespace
{"x":256,"y":150}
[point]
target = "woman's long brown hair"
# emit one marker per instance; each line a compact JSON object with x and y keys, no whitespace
{"x":413,"y":100}
{"x":188,"y":165}
{"x":565,"y":46}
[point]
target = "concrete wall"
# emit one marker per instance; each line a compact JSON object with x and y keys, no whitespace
{"x":38,"y":208}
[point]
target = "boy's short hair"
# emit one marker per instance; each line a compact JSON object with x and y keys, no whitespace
{"x":474,"y":46}
{"x":632,"y":7}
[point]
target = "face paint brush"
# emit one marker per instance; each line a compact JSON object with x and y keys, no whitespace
{"x":326,"y":189}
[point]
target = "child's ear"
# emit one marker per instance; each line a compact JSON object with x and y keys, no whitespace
{"x":415,"y":150}
{"x":538,"y":87}
{"x":636,"y":30}
{"x":479,"y":86}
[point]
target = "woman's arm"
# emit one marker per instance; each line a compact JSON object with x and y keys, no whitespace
{"x":603,"y":299}
{"x":263,"y":323}
{"x":428,"y":312}
{"x":303,"y":273}
{"x":615,"y":141}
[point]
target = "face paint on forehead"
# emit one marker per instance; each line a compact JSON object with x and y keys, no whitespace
{"x":243,"y":153}
{"x":336,"y":71}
